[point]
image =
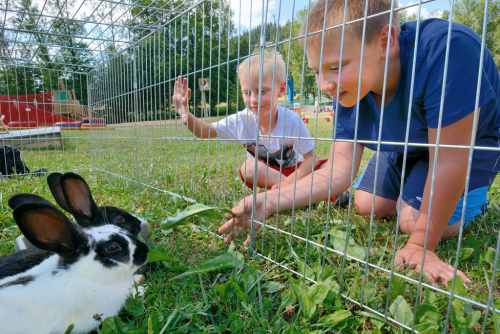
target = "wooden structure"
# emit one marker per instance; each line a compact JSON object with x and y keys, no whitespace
{"x":3,"y":128}
{"x":33,"y":138}
{"x":204,"y":84}
{"x":66,"y":104}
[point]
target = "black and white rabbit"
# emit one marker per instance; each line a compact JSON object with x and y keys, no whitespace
{"x":71,"y":191}
{"x":73,"y":194}
{"x":90,"y":274}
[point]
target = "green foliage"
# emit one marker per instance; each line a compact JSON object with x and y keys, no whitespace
{"x":315,"y":295}
{"x":302,"y":76}
{"x":401,"y":311}
{"x":471,"y":13}
{"x":226,"y":260}
{"x":191,"y":212}
{"x":155,"y":255}
{"x":260,"y":296}
{"x":338,"y":241}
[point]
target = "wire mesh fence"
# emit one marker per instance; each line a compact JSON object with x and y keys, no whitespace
{"x":110,"y":72}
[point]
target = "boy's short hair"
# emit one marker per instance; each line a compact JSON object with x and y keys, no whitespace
{"x":355,"y":10}
{"x":268,"y":67}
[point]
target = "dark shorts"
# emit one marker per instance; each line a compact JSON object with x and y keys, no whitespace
{"x":389,"y":172}
{"x":284,"y":171}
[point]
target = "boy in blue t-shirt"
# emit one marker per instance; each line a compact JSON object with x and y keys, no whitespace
{"x":340,"y":79}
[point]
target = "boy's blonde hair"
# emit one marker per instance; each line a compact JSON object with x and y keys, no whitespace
{"x":268,"y":67}
{"x":355,"y":10}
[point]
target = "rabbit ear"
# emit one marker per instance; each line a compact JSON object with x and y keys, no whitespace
{"x":79,"y":200}
{"x":47,"y":228}
{"x":56,"y":190}
{"x":18,"y":199}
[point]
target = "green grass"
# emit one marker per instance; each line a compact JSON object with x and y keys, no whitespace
{"x":137,"y":168}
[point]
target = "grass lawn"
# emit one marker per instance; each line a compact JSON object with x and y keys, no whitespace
{"x":156,"y":171}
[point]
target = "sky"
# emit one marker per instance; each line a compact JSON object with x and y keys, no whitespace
{"x":254,"y":17}
{"x":247,"y":20}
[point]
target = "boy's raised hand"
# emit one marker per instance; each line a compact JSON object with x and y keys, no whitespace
{"x":181,"y":96}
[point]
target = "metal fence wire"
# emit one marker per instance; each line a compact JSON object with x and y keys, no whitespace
{"x":105,"y":65}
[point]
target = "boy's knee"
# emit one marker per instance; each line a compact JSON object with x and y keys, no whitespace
{"x":363,"y":207}
{"x":247,"y":169}
{"x":363,"y":202}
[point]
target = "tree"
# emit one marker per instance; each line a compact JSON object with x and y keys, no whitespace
{"x":471,"y":13}
{"x":39,"y":68}
{"x":302,"y":76}
{"x":191,"y":43}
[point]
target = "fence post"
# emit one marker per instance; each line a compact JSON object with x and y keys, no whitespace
{"x":136,"y":112}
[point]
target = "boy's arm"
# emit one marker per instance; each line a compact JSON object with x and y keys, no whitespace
{"x":305,"y":168}
{"x":181,"y":96}
{"x":340,"y":179}
{"x":449,"y":184}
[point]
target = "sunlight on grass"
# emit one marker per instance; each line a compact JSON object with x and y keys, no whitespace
{"x":139,"y":168}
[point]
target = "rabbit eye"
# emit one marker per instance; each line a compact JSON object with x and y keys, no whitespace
{"x":113,"y":247}
{"x":120,"y":219}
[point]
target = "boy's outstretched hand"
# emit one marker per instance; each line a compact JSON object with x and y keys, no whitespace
{"x":181,"y":96}
{"x":237,"y":224}
{"x":436,"y":270}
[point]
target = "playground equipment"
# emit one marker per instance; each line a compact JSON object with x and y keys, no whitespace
{"x":3,"y":127}
{"x":296,"y":108}
{"x":87,"y":123}
{"x":66,"y":104}
{"x":44,"y":109}
{"x":290,"y":90}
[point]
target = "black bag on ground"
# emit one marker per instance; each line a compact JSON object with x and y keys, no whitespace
{"x":10,"y":161}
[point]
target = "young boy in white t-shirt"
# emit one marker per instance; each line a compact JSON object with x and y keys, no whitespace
{"x":284,"y":148}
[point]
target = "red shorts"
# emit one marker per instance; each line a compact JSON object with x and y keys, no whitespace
{"x":284,"y":171}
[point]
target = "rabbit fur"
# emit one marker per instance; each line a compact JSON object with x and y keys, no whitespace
{"x":80,"y":204}
{"x":90,"y":274}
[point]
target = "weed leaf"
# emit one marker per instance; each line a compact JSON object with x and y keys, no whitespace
{"x":336,"y":317}
{"x":376,"y":320}
{"x":491,"y":253}
{"x":401,"y":311}
{"x":338,"y":242}
{"x":272,"y":287}
{"x":134,"y":306}
{"x":230,"y":291}
{"x":226,"y":260}
{"x":430,"y":331}
{"x":113,"y":325}
{"x":398,"y":287}
{"x":155,"y":255}
{"x":457,"y":305}
{"x":426,"y":326}
{"x":297,"y":289}
{"x":109,"y":326}
{"x":473,"y":318}
{"x":315,"y":295}
{"x":287,"y":298}
{"x":305,"y":270}
{"x":192,"y":211}
{"x":427,"y":314}
{"x":465,"y":254}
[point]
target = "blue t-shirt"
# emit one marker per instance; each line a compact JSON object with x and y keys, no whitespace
{"x":460,"y":92}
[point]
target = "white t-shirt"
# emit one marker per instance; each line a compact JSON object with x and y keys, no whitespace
{"x":242,"y":128}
